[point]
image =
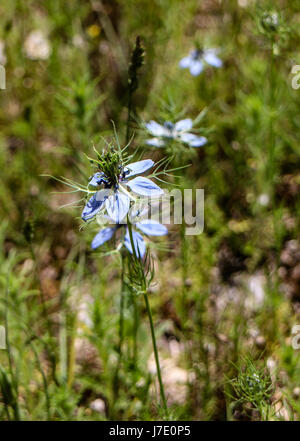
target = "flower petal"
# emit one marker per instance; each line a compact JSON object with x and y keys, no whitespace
{"x":199,"y":141}
{"x":117,"y":206}
{"x":196,"y":67}
{"x":144,"y":187}
{"x":152,"y":228}
{"x":211,"y":58}
{"x":96,"y":179}
{"x":136,"y":168}
{"x":185,"y":62}
{"x":94,"y":204}
{"x":155,"y":142}
{"x":155,"y":129}
{"x":193,"y":140}
{"x":184,"y":124}
{"x":138,"y":243}
{"x":102,"y":237}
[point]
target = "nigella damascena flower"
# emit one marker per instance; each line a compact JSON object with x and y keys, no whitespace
{"x":162,"y":134}
{"x":114,"y":195}
{"x":197,"y":58}
{"x":148,"y":227}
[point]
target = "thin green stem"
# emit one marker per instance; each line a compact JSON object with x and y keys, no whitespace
{"x":121,"y":330}
{"x":45,"y":384}
{"x":14,"y":376}
{"x":271,"y":162}
{"x":135,"y":328}
{"x":161,"y":386}
{"x":184,"y":263}
{"x":129,"y":107}
{"x":50,"y":347}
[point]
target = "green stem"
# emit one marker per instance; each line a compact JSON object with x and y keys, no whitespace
{"x":271,"y":168}
{"x":135,"y":328}
{"x":14,"y":376}
{"x":129,"y":107}
{"x":184,"y":265}
{"x":71,"y":365}
{"x":50,"y":347}
{"x":161,"y":386}
{"x":184,"y":262}
{"x":121,"y":331}
{"x":45,"y":384}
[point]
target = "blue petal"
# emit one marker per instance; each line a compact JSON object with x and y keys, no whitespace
{"x":155,"y":129}
{"x":193,"y":140}
{"x":152,"y":227}
{"x":96,"y":179}
{"x":184,"y":124}
{"x":94,"y":204}
{"x":138,"y":243}
{"x":211,"y":58}
{"x":196,"y":67}
{"x":136,"y":168}
{"x":199,"y":141}
{"x":102,"y":237}
{"x":144,"y":187}
{"x":185,"y":62}
{"x":155,"y":142}
{"x":117,"y":206}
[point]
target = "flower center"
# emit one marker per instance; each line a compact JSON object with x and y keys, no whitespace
{"x":170,"y":128}
{"x":197,"y":54}
{"x":110,"y":163}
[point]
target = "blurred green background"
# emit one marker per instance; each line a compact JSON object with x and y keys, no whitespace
{"x":66,"y":79}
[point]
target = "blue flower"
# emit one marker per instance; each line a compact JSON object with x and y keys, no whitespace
{"x":147,"y":226}
{"x":162,"y":134}
{"x":114,"y":197}
{"x":197,"y":58}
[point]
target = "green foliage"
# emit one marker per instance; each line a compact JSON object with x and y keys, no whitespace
{"x":216,"y":297}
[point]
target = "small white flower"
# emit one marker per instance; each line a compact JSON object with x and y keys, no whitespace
{"x":263,"y":199}
{"x":98,"y":405}
{"x":37,"y":46}
{"x":78,"y":41}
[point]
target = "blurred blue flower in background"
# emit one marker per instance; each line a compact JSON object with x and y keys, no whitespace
{"x":114,"y":197}
{"x":197,"y":58}
{"x":162,"y":134}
